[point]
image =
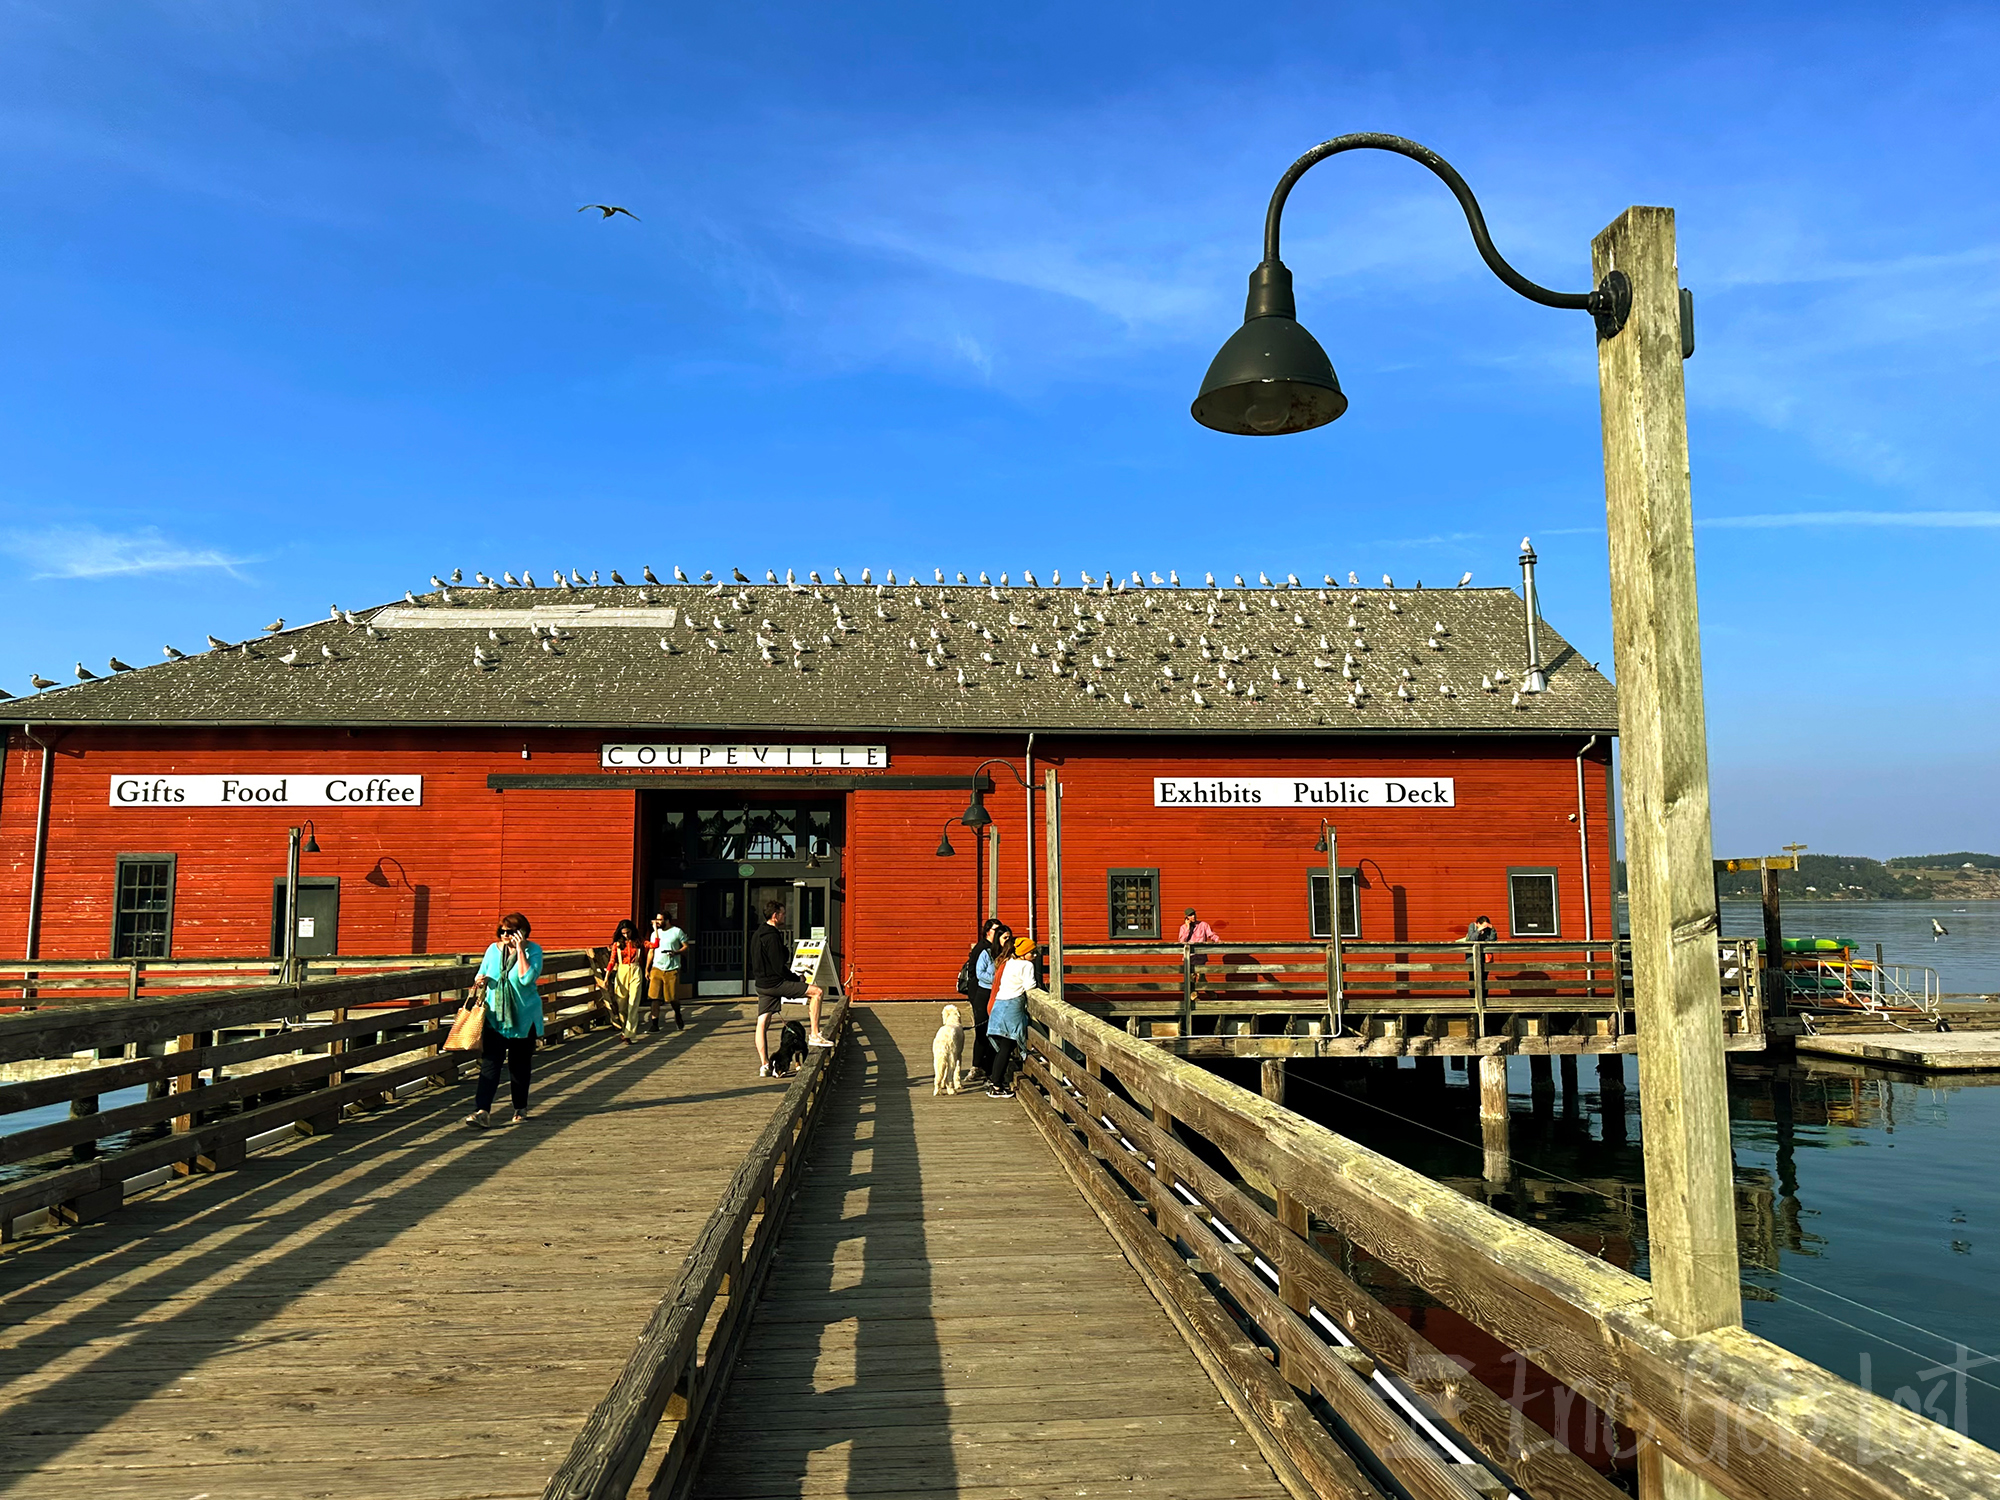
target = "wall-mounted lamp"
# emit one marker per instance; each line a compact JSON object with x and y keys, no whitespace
{"x":944,"y":849}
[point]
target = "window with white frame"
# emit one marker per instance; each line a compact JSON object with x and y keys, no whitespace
{"x":1531,"y":903}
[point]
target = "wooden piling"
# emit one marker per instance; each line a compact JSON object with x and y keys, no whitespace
{"x":1677,"y":981}
{"x":1611,"y":1095}
{"x":1493,"y":1118}
{"x":1774,"y":944}
{"x":1271,"y":1079}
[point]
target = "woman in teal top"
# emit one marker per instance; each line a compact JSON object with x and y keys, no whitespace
{"x":508,"y":985}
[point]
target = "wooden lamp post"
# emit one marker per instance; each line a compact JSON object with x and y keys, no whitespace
{"x":1272,"y":377}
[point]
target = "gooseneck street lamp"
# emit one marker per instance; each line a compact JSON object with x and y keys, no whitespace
{"x":1272,"y":377}
{"x":977,"y":818}
{"x":293,"y":848}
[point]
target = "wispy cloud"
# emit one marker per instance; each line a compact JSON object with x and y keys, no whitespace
{"x":1961,"y":519}
{"x":92,"y":552}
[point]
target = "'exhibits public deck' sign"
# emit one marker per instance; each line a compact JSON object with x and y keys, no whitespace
{"x":747,"y":757}
{"x":1303,"y":791}
{"x":267,"y":791}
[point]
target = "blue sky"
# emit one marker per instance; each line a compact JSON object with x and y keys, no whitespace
{"x":298,"y":308}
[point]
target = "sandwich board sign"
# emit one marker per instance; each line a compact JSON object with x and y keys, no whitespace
{"x":812,"y":963}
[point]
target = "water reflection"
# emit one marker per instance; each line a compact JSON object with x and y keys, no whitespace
{"x":1861,"y":1200}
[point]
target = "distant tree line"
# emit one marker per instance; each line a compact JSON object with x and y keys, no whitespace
{"x":1852,"y":877}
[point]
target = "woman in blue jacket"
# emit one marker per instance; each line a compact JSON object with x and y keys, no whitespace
{"x":508,"y":983}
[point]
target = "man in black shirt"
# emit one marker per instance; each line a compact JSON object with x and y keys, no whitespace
{"x":771,"y":974}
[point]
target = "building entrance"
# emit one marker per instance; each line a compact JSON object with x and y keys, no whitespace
{"x":710,"y":862}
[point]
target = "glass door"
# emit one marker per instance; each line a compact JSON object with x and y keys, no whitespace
{"x":719,"y":934}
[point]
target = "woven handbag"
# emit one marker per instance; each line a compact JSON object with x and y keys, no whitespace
{"x":468,"y":1028}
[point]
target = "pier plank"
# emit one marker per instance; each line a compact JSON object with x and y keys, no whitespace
{"x":947,"y":1315}
{"x":434,"y":1309}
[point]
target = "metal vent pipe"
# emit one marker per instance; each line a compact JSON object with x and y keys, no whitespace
{"x":1535,"y":680}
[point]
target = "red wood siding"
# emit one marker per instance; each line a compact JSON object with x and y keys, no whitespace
{"x":435,"y":877}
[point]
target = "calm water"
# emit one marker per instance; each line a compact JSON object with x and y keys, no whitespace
{"x":1868,"y":1207}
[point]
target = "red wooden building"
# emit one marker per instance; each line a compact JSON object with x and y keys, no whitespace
{"x":586,"y":755}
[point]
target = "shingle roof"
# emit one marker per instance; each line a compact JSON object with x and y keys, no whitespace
{"x":860,"y":670}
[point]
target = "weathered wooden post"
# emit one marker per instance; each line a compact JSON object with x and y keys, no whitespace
{"x":1271,"y":1079}
{"x":1677,"y":980}
{"x":1493,"y":1118}
{"x":1775,"y":993}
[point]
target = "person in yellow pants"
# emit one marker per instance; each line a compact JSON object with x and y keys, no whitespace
{"x":664,"y":948}
{"x":625,"y":979}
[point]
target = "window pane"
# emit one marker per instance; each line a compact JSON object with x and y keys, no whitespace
{"x":1134,"y":900}
{"x":1350,"y":909}
{"x":1534,"y":905}
{"x":144,"y":903}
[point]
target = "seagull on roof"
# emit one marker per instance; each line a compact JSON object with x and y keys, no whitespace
{"x":481,"y":657}
{"x":291,"y":657}
{"x":561,"y":582}
{"x":40,"y":682}
{"x":616,"y":579}
{"x":172,"y":653}
{"x":84,"y":674}
{"x":1463,"y":581}
{"x":1517,"y":699}
{"x":706,"y":576}
{"x":275,"y":626}
{"x":647,"y":573}
{"x":436,"y":582}
{"x":509,"y":579}
{"x":1264,"y":579}
{"x":740,"y":576}
{"x":606,"y":210}
{"x":119,"y":666}
{"x":549,"y":646}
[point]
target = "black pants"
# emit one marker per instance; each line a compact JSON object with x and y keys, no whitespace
{"x":1006,"y":1058}
{"x":982,"y":1046}
{"x":519,"y":1053}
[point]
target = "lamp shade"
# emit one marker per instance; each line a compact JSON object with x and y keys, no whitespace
{"x":1271,"y":376}
{"x":944,"y":849}
{"x":975,"y":815}
{"x":312,"y":844}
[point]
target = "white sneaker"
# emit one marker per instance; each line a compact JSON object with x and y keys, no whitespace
{"x":818,"y":1041}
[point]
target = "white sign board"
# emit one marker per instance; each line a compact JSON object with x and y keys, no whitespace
{"x":746,"y":757}
{"x":812,"y":963}
{"x":267,"y":791}
{"x":1303,"y":791}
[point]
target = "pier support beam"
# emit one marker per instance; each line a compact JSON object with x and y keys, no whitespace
{"x":1542,"y":1084}
{"x":1663,"y":742}
{"x":1499,"y":1169}
{"x":1611,"y":1095}
{"x":1271,"y":1079}
{"x":1566,"y":1068}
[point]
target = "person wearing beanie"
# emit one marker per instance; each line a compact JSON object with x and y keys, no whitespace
{"x":1007,"y":1020}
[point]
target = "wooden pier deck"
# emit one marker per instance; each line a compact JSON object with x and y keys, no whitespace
{"x":682,"y":1280}
{"x":947,"y":1316}
{"x":403,"y":1307}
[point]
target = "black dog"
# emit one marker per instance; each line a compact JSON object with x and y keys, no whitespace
{"x":791,"y":1049}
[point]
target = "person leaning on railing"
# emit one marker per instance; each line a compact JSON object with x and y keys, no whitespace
{"x":1007,"y":1021}
{"x":508,"y":983}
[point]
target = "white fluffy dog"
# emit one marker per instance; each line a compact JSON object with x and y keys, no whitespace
{"x":947,"y":1077}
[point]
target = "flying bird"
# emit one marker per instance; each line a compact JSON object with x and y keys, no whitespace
{"x":608,"y":209}
{"x":1938,"y":930}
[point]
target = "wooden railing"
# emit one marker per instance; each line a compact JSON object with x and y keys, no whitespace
{"x":66,"y":981}
{"x":665,"y":1399}
{"x":329,"y":1051}
{"x":1354,"y":984}
{"x":1278,"y":1323}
